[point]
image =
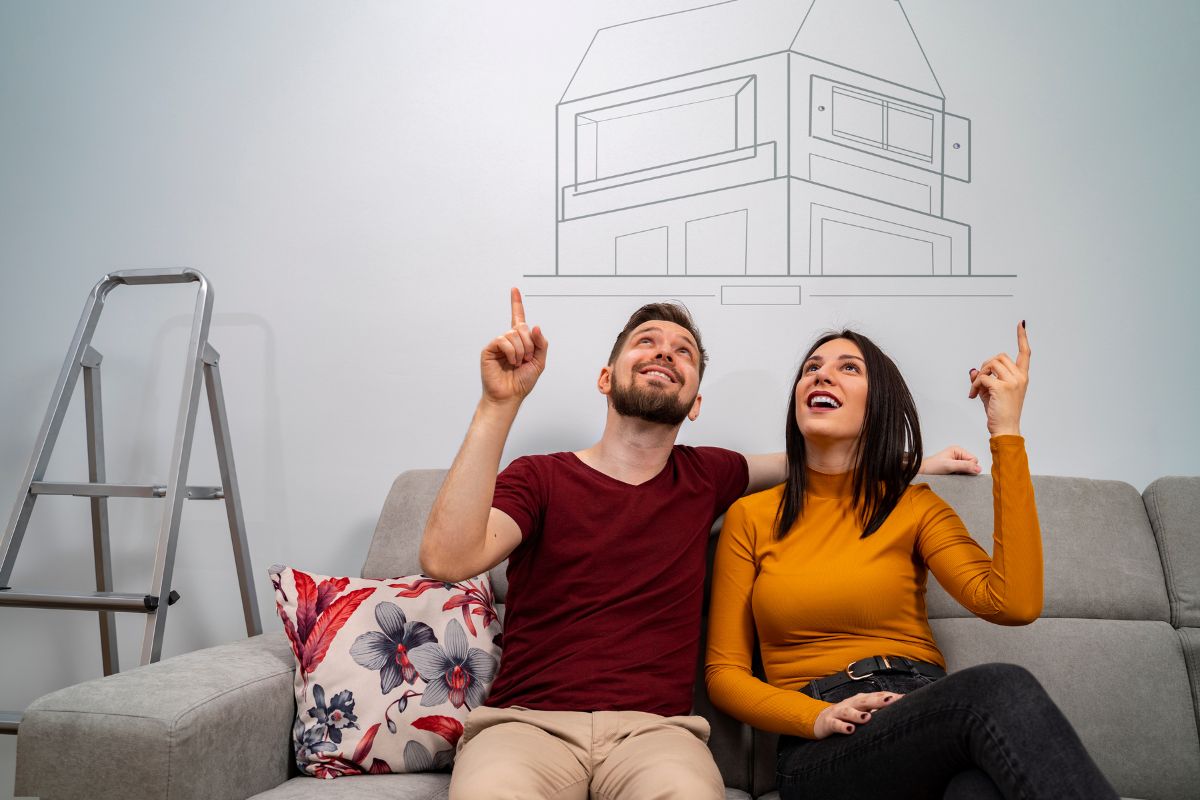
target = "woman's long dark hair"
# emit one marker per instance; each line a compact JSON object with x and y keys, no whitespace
{"x":888,"y":452}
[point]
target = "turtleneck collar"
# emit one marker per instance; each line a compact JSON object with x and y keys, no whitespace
{"x":820,"y":484}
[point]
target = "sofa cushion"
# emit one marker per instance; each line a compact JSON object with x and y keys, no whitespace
{"x":386,"y":670}
{"x":429,"y":786}
{"x":1122,"y":684}
{"x":1101,"y":560}
{"x":1189,"y":638}
{"x":1173,"y":505}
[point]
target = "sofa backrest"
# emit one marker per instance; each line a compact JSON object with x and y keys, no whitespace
{"x":397,"y":541}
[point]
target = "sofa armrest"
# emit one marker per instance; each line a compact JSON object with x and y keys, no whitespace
{"x":215,"y":723}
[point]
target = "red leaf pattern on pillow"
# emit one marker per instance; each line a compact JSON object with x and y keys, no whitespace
{"x":306,"y":605}
{"x":448,"y":728}
{"x":328,"y":591}
{"x":316,"y":644}
{"x":364,"y":746}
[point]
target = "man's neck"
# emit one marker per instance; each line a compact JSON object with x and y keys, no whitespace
{"x":631,"y":450}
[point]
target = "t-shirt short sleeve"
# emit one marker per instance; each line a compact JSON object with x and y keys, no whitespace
{"x":729,"y":473}
{"x":521,"y":492}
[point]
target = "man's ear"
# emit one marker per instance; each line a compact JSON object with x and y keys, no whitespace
{"x":604,"y":382}
{"x":695,"y":410}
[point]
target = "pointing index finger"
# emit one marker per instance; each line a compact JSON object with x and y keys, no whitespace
{"x":518,"y":308}
{"x":1023,"y":350}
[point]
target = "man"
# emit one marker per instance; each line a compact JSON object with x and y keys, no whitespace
{"x":606,"y":552}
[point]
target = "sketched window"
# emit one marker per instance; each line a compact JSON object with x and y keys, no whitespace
{"x":881,"y":122}
{"x":701,"y":123}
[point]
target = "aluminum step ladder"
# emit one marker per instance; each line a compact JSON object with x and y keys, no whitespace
{"x":202,"y":360}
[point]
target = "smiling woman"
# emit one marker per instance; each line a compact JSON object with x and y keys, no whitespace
{"x":872,"y":433}
{"x":829,"y":571}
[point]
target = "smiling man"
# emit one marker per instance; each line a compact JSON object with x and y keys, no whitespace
{"x":606,"y":550}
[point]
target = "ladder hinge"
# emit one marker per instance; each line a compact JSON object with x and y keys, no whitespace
{"x":151,"y":600}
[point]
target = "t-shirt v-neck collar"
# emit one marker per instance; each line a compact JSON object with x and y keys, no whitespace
{"x":617,"y":481}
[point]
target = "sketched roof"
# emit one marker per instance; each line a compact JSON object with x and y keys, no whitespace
{"x":869,"y":36}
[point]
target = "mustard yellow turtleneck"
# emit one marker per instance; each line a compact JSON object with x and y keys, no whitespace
{"x":823,"y":597}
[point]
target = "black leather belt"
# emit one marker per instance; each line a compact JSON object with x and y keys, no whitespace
{"x":866,"y":667}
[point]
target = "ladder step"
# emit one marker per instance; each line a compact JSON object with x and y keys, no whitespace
{"x":84,"y":601}
{"x":9,"y":720}
{"x":122,"y":490}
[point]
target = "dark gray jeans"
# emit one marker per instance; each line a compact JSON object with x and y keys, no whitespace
{"x":985,"y":732}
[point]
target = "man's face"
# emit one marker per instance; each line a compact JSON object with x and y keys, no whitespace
{"x":656,"y":376}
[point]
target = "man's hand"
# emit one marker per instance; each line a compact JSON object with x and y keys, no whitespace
{"x":1000,"y":383}
{"x":954,"y":460}
{"x":512,"y":362}
{"x":846,"y":716}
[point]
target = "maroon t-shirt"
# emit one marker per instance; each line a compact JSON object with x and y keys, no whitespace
{"x":605,"y":589}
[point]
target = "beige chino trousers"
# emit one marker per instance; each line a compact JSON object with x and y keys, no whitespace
{"x":574,"y":755}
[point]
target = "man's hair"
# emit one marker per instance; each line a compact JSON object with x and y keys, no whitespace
{"x":888,"y":449}
{"x":666,"y":312}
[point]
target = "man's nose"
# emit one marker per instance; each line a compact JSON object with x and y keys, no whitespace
{"x":666,"y":355}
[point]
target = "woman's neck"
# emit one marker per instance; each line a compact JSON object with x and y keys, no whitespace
{"x":830,"y":458}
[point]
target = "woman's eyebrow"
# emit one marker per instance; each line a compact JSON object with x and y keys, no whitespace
{"x":842,"y":357}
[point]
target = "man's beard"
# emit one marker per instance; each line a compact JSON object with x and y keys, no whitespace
{"x":646,"y":404}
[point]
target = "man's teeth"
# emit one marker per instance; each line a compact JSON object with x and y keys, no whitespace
{"x":660,"y":373}
{"x":824,"y":400}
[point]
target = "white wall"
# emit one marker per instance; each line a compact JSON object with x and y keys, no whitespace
{"x":363,"y":182}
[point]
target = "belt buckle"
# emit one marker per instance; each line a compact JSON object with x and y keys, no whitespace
{"x":850,"y":668}
{"x":852,"y":676}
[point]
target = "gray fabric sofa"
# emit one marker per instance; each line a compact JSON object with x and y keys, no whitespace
{"x":1118,"y":647}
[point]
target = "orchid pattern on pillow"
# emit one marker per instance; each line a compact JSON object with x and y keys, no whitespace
{"x":365,"y":652}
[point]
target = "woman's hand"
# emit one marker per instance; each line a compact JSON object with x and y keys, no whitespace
{"x":512,"y":362}
{"x":846,"y":716}
{"x":1000,"y":384}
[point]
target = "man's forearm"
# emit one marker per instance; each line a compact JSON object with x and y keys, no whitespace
{"x":457,"y":526}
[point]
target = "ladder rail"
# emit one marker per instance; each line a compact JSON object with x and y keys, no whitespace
{"x":181,"y":451}
{"x":229,"y":485}
{"x":101,"y":551}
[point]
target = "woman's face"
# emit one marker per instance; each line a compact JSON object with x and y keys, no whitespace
{"x":831,"y":395}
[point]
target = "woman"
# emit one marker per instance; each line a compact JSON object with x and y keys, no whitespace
{"x":829,"y":569}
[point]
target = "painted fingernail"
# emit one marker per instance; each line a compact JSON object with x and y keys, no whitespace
{"x":865,"y":716}
{"x":1023,"y":324}
{"x":849,"y":729}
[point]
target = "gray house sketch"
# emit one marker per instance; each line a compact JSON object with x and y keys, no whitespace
{"x":759,"y":138}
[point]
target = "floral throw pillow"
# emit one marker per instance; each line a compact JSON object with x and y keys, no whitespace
{"x":386,"y":671}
